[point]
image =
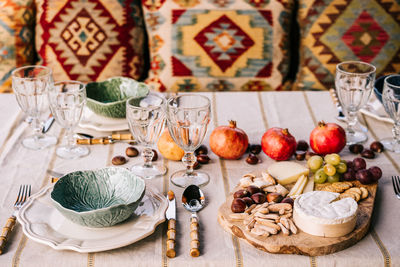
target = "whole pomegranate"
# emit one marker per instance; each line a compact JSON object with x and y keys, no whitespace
{"x":327,"y":138}
{"x":229,"y":142}
{"x":278,"y":143}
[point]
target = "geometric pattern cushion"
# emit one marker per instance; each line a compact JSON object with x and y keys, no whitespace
{"x":218,"y":45}
{"x":90,"y":40}
{"x":333,"y":31}
{"x":16,"y":38}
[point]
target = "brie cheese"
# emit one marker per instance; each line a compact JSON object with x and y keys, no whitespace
{"x":316,"y":213}
{"x":287,"y":172}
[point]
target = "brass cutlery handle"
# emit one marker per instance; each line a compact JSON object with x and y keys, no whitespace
{"x":194,"y":237}
{"x":93,"y":141}
{"x":171,"y":234}
{"x":126,"y":136}
{"x":6,"y":232}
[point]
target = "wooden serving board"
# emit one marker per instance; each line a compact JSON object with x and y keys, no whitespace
{"x":302,"y":243}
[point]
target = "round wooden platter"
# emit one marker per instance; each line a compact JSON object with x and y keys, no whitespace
{"x":302,"y":243}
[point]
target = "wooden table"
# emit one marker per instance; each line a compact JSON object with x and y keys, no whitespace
{"x":254,"y":112}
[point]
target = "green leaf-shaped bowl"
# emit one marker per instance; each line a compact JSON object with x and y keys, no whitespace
{"x":98,"y":198}
{"x":108,"y":98}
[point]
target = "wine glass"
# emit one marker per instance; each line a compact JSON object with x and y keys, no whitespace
{"x":146,"y":119}
{"x":391,"y":102}
{"x":30,"y":85}
{"x":354,"y":82}
{"x":67,"y":99}
{"x":187,"y":119}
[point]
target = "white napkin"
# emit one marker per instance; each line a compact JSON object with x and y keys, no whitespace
{"x":375,"y":109}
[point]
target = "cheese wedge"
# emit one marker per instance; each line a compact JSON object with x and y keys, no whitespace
{"x":310,"y":185}
{"x":298,"y":187}
{"x":316,"y":213}
{"x":287,"y":172}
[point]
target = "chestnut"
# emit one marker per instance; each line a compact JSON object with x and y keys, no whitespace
{"x":131,"y":151}
{"x":368,"y":154}
{"x":248,"y":201}
{"x":238,"y":205}
{"x":309,"y":154}
{"x":201,"y":150}
{"x":300,"y":155}
{"x":356,"y":148}
{"x":196,"y":165}
{"x":288,"y":200}
{"x":259,"y":198}
{"x":376,"y":147}
{"x":252,"y":189}
{"x":252,"y":159}
{"x":240,"y":194}
{"x":302,"y":145}
{"x":203,"y":158}
{"x":255,"y":149}
{"x":155,"y":156}
{"x":274,"y":197}
{"x":118,"y":160}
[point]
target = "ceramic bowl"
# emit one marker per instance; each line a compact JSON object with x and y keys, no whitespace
{"x":378,"y":87}
{"x":98,"y":198}
{"x":108,"y":98}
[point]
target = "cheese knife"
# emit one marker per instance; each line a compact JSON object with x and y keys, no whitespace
{"x":170,"y":214}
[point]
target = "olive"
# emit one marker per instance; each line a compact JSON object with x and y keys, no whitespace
{"x":203,"y":159}
{"x":302,"y":145}
{"x":259,"y":198}
{"x":155,"y":156}
{"x":252,"y":189}
{"x":240,"y":194}
{"x":201,"y":150}
{"x":238,"y":205}
{"x":118,"y":160}
{"x":131,"y":151}
{"x":368,"y":154}
{"x":255,"y":149}
{"x":356,"y":148}
{"x":300,"y":155}
{"x":376,"y":147}
{"x":252,"y":159}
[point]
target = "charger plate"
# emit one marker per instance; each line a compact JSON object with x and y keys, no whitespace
{"x":42,"y":223}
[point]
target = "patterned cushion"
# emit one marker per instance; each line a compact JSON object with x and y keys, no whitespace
{"x":16,"y":38}
{"x":334,"y":31}
{"x":216,"y":45}
{"x":90,"y":40}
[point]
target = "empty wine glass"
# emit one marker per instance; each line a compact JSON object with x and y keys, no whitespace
{"x":146,"y":119}
{"x":67,"y":100}
{"x":187,"y":119}
{"x":391,"y":102}
{"x":30,"y":85}
{"x":354,"y":82}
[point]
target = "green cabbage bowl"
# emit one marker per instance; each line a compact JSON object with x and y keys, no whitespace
{"x":98,"y":198}
{"x":108,"y":98}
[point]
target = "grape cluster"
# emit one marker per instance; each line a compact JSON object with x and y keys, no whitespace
{"x":330,"y":168}
{"x":357,"y":169}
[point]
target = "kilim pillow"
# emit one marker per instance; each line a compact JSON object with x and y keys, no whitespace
{"x":90,"y":40}
{"x":334,"y":31}
{"x":17,"y":23}
{"x":216,"y":45}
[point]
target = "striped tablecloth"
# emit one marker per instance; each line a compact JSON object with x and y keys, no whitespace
{"x":254,"y":112}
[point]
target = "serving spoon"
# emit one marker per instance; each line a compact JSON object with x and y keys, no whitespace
{"x":193,"y":200}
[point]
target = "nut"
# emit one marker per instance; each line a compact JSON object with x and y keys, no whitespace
{"x":302,"y":145}
{"x":252,"y":159}
{"x":196,"y":165}
{"x":255,"y":149}
{"x":131,"y":151}
{"x":240,"y":194}
{"x":238,"y":205}
{"x":248,"y":201}
{"x":252,"y":189}
{"x":274,"y":197}
{"x":201,"y":150}
{"x":300,"y":155}
{"x":155,"y":156}
{"x":259,"y":198}
{"x":288,"y":200}
{"x":309,"y":154}
{"x":203,"y":158}
{"x":368,"y":154}
{"x":132,"y":143}
{"x":118,"y":160}
{"x":376,"y":147}
{"x":356,"y":148}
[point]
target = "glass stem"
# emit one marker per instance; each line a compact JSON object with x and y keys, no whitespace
{"x":189,"y":160}
{"x":37,"y":128}
{"x":70,"y":138}
{"x":148,"y":156}
{"x":396,"y":132}
{"x":351,"y":121}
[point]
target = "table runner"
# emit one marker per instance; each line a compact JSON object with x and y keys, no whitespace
{"x":254,"y":113}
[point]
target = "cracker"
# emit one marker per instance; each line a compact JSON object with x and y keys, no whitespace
{"x":341,"y":185}
{"x":354,"y":189}
{"x":344,"y":195}
{"x":364,"y":192}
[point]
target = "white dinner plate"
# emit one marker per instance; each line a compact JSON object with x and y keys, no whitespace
{"x":92,"y":121}
{"x":42,"y":223}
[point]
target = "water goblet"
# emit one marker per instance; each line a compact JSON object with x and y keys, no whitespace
{"x":30,"y":85}
{"x":354,"y":82}
{"x":391,"y":102}
{"x":187,"y":119}
{"x":67,"y":100}
{"x":146,"y":119}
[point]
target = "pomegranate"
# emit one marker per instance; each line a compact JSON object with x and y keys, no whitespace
{"x":229,"y":142}
{"x":327,"y":138}
{"x":278,"y":143}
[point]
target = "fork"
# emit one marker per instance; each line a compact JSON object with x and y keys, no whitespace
{"x":23,"y":194}
{"x":396,"y":185}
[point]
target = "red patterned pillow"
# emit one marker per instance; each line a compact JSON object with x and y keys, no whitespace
{"x":90,"y":40}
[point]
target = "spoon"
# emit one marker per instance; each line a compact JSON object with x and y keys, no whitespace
{"x":193,"y":200}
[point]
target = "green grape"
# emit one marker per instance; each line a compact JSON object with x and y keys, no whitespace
{"x":333,"y":159}
{"x":341,"y":167}
{"x":315,"y":162}
{"x":329,"y":169}
{"x":320,"y":176}
{"x":334,"y":178}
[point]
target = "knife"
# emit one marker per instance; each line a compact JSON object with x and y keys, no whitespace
{"x":170,"y":214}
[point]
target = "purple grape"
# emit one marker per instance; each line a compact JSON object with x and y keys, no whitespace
{"x":350,"y":164}
{"x":376,"y":173}
{"x":359,"y":164}
{"x":350,"y":175}
{"x":364,"y":176}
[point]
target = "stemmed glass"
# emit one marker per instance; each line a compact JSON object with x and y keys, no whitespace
{"x":67,"y":100}
{"x":391,"y":102}
{"x":30,"y":85}
{"x":146,"y":119}
{"x":354,"y":82}
{"x":187,"y":119}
